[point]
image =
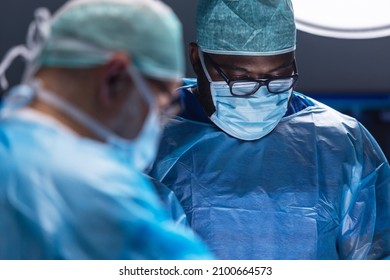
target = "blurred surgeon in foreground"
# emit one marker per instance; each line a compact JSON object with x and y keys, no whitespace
{"x":262,"y":171}
{"x":75,"y":136}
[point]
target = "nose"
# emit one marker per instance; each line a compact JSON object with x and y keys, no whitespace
{"x":163,"y":101}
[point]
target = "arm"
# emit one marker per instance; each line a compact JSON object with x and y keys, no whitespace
{"x":124,"y":220}
{"x":365,"y":224}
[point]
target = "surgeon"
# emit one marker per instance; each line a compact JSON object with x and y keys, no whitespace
{"x":262,"y":171}
{"x":76,"y":135}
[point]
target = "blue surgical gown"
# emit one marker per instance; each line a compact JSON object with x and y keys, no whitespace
{"x":67,"y":197}
{"x":316,"y":187}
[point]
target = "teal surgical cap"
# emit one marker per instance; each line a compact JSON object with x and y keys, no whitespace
{"x":251,"y":27}
{"x":86,"y":33}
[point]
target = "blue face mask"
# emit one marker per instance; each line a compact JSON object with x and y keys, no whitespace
{"x":143,"y":149}
{"x":246,"y":118}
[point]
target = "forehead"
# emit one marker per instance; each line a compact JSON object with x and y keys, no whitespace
{"x":254,"y":64}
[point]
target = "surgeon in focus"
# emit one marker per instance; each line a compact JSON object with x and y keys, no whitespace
{"x":78,"y":132}
{"x":262,"y":171}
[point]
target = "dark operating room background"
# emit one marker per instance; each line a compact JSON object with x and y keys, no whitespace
{"x":350,"y":75}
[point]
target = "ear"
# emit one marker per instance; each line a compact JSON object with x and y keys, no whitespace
{"x":114,"y":80}
{"x":193,"y":50}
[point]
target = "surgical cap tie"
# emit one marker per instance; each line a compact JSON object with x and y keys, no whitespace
{"x":38,"y":32}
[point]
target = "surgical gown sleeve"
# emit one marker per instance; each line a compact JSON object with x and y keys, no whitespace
{"x":365,"y":209}
{"x":170,"y":202}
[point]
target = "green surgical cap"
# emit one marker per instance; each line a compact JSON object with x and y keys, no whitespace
{"x":250,"y":27}
{"x":85,"y":33}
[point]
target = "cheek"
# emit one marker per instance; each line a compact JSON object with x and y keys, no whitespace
{"x":133,"y":116}
{"x":137,"y":114}
{"x":204,"y":87}
{"x":204,"y":96}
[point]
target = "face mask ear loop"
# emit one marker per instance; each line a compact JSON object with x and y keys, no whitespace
{"x":37,"y":33}
{"x":201,"y":58}
{"x":142,"y":87}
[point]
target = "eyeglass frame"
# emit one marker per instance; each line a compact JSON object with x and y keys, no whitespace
{"x":261,"y":82}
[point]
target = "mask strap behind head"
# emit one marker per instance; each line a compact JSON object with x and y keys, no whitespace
{"x":37,"y":33}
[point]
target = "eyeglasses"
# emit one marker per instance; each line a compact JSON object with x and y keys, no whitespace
{"x":246,"y":87}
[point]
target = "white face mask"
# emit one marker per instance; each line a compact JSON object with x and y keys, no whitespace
{"x":246,"y":118}
{"x":141,"y":150}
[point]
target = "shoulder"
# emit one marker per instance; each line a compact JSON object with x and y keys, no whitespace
{"x":319,"y":113}
{"x":324,"y":123}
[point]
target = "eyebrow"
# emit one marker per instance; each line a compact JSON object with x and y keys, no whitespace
{"x":283,"y":65}
{"x":242,"y":69}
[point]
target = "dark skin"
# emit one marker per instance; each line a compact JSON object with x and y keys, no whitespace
{"x":236,"y":67}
